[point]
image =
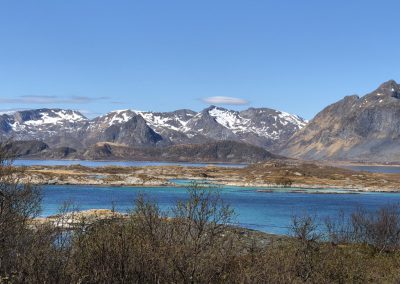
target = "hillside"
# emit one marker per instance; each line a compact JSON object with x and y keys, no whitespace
{"x":355,"y":128}
{"x":220,"y":151}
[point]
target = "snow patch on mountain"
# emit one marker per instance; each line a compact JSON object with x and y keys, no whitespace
{"x":45,"y":117}
{"x":230,"y":119}
{"x":270,"y":125}
{"x":159,"y":121}
{"x":119,"y":116}
{"x":165,"y":120}
{"x":111,"y":118}
{"x":56,"y":117}
{"x":291,"y":118}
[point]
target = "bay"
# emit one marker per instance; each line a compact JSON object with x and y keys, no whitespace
{"x":270,"y":211}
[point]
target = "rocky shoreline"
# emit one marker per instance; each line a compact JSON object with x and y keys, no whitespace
{"x":288,"y":174}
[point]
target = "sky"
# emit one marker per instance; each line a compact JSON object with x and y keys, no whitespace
{"x":97,"y":56}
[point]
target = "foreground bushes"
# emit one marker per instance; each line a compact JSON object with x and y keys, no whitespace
{"x":149,"y":247}
{"x":197,"y":245}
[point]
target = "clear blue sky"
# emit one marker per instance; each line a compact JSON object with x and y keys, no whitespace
{"x":96,"y":56}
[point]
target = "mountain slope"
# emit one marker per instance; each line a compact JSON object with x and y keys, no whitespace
{"x":354,"y":128}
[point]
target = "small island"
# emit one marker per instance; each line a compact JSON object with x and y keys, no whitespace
{"x":275,"y":173}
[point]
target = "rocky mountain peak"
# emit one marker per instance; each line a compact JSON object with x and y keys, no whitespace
{"x":389,"y":88}
{"x":211,"y":107}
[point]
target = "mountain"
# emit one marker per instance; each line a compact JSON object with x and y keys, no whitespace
{"x":259,"y":126}
{"x":127,"y":128}
{"x":31,"y":122}
{"x":355,"y":128}
{"x":262,"y":127}
{"x":54,"y":126}
{"x":220,"y":151}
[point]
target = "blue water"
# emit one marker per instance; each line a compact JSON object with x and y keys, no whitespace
{"x":265,"y":211}
{"x":376,"y":169}
{"x":117,"y":163}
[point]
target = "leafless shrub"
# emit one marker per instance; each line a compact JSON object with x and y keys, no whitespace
{"x":380,"y":229}
{"x":339,"y":229}
{"x":305,"y":231}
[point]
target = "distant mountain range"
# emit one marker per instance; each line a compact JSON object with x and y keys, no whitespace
{"x":355,"y":128}
{"x":262,"y":127}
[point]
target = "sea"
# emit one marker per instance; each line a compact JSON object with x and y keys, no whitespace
{"x":268,"y":210}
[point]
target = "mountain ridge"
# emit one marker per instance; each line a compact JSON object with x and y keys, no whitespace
{"x":69,"y":128}
{"x":215,"y":152}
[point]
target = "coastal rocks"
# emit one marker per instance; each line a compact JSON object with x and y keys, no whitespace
{"x":70,"y":220}
{"x":55,"y":176}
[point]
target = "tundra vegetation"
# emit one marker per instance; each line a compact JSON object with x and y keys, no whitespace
{"x":194,"y":242}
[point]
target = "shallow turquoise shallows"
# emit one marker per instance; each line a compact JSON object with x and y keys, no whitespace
{"x":265,"y":211}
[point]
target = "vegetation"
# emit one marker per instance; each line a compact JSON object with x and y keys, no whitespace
{"x":192,"y":243}
{"x":283,"y":180}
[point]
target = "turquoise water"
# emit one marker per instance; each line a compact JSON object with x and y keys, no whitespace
{"x":117,"y":163}
{"x":265,"y":211}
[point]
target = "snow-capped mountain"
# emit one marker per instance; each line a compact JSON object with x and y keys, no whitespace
{"x":56,"y":126}
{"x":27,"y":122}
{"x":262,"y":126}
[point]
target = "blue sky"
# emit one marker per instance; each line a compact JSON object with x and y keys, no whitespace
{"x":97,"y":56}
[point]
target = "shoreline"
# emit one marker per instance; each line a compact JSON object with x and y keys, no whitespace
{"x":327,"y":162}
